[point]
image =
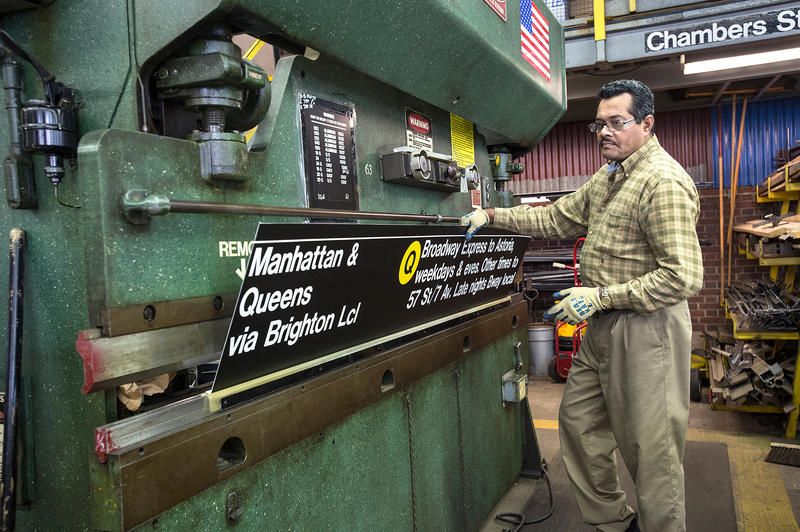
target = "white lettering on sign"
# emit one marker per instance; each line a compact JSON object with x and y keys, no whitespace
{"x":419,"y":124}
{"x":291,"y":331}
{"x":475,"y":263}
{"x":444,"y":249}
{"x":716,"y":32}
{"x":253,"y":301}
{"x":788,"y":20}
{"x":499,"y":7}
{"x":235,"y":248}
{"x":266,"y":261}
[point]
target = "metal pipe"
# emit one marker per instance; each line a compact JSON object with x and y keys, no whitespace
{"x":16,"y":276}
{"x":139,"y":205}
{"x":198,"y":207}
{"x":12,"y":84}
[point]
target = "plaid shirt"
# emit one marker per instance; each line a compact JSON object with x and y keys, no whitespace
{"x":639,"y":221}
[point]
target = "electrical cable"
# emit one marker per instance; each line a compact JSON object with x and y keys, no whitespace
{"x":127,"y":74}
{"x":518,"y":520}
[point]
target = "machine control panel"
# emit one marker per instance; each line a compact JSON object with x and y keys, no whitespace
{"x":329,"y":154}
{"x":408,"y":166}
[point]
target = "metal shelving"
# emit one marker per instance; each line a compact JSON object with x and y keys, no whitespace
{"x":787,"y":193}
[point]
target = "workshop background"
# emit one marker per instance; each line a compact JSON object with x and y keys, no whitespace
{"x":695,"y":122}
{"x":747,"y":173}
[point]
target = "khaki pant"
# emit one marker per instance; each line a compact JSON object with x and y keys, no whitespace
{"x":629,"y":389}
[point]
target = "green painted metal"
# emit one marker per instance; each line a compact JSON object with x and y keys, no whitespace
{"x":360,"y":480}
{"x":495,"y":441}
{"x":436,"y":458}
{"x":395,"y":466}
{"x":177,"y":256}
{"x":457,"y":55}
{"x":54,"y":477}
{"x":81,"y":261}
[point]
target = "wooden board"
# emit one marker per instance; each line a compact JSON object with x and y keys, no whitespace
{"x":776,"y":181}
{"x":789,"y":225}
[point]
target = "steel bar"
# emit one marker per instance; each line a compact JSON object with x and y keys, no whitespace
{"x":761,"y":305}
{"x":139,"y":205}
{"x":109,"y":362}
{"x":16,"y":276}
{"x":549,"y":255}
{"x":209,"y":207}
{"x":136,"y":430}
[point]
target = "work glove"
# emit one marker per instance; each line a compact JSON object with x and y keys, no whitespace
{"x":576,"y":305}
{"x":475,"y":220}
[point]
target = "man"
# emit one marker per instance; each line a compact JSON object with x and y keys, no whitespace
{"x":629,"y":385}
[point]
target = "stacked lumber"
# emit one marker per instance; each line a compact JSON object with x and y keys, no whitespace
{"x":787,"y":225}
{"x":777,"y":180}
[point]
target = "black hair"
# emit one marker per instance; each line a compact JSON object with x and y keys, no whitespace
{"x":643,"y":101}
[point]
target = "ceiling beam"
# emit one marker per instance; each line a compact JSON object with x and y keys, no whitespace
{"x":722,"y":88}
{"x":766,"y":87}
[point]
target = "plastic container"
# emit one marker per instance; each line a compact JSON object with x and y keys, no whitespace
{"x":541,"y":338}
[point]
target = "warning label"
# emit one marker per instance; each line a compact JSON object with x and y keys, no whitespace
{"x":418,"y":131}
{"x":499,"y":7}
{"x":463,"y":140}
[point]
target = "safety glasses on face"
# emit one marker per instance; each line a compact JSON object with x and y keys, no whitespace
{"x":614,"y":125}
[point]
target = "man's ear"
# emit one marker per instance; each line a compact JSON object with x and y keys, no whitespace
{"x":648,"y":122}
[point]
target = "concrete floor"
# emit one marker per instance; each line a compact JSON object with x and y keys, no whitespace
{"x":759,"y":496}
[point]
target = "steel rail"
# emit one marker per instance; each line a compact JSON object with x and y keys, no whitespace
{"x":199,"y":207}
{"x":139,"y":205}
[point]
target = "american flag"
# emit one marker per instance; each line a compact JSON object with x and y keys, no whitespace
{"x":535,"y":37}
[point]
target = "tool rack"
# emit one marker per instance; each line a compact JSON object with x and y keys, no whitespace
{"x":782,"y":187}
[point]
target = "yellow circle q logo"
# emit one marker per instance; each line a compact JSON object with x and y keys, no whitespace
{"x":410,"y":262}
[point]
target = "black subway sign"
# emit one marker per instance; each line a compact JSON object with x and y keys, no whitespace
{"x":725,"y":31}
{"x":313,"y":293}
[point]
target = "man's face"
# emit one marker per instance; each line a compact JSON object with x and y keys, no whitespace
{"x":618,"y":145}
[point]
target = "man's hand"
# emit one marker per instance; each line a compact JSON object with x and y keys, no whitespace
{"x":576,"y":305}
{"x":475,"y":220}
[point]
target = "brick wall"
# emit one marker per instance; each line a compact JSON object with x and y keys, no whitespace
{"x":705,"y":306}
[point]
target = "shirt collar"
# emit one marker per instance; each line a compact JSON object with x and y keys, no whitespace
{"x":630,"y":163}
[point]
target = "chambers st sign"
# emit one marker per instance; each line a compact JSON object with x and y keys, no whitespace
{"x":727,"y":31}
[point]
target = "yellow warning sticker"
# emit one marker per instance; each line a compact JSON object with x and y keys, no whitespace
{"x":463,"y":140}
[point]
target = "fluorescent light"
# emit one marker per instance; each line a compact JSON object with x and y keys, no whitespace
{"x":740,"y":61}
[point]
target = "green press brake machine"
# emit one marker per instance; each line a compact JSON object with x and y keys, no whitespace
{"x":141,"y":151}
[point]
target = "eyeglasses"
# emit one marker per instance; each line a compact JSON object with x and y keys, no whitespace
{"x":614,"y":125}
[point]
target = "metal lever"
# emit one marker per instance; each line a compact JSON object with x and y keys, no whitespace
{"x":517,"y":357}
